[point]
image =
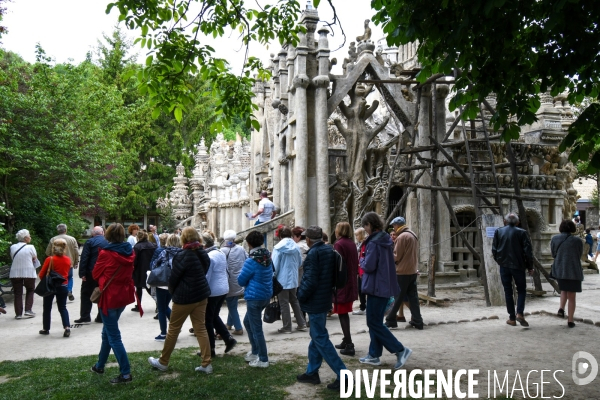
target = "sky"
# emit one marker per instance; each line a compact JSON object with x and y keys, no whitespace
{"x":68,"y":29}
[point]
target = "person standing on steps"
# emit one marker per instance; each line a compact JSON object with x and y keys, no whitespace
{"x":89,"y":256}
{"x":265,"y":213}
{"x":380,"y":283}
{"x":512,"y":250}
{"x":314,"y":295}
{"x":566,"y":268}
{"x":72,"y":251}
{"x":406,"y":259}
{"x":344,"y":298}
{"x":22,"y":273}
{"x":287,"y":260}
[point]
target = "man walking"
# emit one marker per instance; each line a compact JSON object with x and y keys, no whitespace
{"x":314,"y":295}
{"x":512,"y":251}
{"x":72,"y":251}
{"x":406,"y":258}
{"x":89,"y":255}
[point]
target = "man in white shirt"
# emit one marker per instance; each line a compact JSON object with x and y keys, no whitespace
{"x":266,"y":211}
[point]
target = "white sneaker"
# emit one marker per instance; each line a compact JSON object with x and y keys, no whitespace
{"x":18,"y":317}
{"x":30,"y":313}
{"x":25,"y":315}
{"x":259,"y":364}
{"x":250,"y":356}
{"x":156,"y":364}
{"x":359,"y":312}
{"x":207,"y":370}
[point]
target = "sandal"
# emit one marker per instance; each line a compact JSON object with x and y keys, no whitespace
{"x":560,"y":313}
{"x":44,"y":332}
{"x":67,"y":333}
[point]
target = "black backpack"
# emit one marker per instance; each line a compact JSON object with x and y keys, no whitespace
{"x":340,"y":272}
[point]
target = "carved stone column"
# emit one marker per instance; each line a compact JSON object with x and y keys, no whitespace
{"x":244,"y":200}
{"x":424,"y":195}
{"x":300,"y":82}
{"x":221,"y":205}
{"x":444,"y":254}
{"x":236,"y":211}
{"x":213,"y":205}
{"x":228,"y":209}
{"x":321,"y":82}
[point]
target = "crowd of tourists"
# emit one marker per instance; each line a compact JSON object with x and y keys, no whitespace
{"x":193,"y":275}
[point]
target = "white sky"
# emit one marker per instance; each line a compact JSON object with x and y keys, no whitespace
{"x":68,"y":29}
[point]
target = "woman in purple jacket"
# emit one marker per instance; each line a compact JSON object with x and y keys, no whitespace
{"x":379,"y":283}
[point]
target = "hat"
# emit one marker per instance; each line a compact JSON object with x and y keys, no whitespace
{"x":398,"y":221}
{"x":314,"y":232}
{"x":229,"y":235}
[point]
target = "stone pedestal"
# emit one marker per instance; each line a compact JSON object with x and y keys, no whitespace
{"x":492,"y":269}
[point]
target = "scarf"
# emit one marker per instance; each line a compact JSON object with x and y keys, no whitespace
{"x":192,"y":246}
{"x":261,"y":256}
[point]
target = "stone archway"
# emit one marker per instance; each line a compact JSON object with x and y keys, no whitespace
{"x":461,"y":256}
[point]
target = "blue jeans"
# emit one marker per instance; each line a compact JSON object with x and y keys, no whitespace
{"x":111,"y":339}
{"x":264,"y":235}
{"x":163,"y":298}
{"x":70,"y":281}
{"x":380,"y":334}
{"x":233,"y":319}
{"x":253,"y":324}
{"x":61,"y":303}
{"x":320,"y":347}
{"x":507,"y":275}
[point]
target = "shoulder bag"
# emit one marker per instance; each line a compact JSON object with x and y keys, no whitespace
{"x":50,"y":282}
{"x":277,"y":288}
{"x":97,"y":293}
{"x":160,"y":275}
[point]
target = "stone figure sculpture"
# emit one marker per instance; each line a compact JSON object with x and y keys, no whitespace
{"x":367,"y":34}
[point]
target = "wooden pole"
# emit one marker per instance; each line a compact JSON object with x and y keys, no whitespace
{"x":431,"y":264}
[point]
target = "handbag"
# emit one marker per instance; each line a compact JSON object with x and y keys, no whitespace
{"x":277,"y":288}
{"x":160,"y":275}
{"x":49,"y":283}
{"x":272,"y":312}
{"x":95,"y":297}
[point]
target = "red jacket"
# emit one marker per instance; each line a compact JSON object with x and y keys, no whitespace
{"x":60,"y":264}
{"x":347,"y":250}
{"x":121,"y":291}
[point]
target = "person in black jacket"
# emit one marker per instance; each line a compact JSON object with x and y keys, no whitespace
{"x":190,"y":292}
{"x":87,"y":261}
{"x":144,"y":250}
{"x":314,"y":295}
{"x":512,"y":251}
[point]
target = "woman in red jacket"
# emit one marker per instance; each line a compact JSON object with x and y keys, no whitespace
{"x":113,"y":272}
{"x":344,"y":298}
{"x":62,"y":265}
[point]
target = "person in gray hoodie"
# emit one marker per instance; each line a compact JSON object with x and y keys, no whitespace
{"x":236,"y":256}
{"x":379,"y":283}
{"x":287,"y":259}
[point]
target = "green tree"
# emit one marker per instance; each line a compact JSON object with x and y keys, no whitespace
{"x":173,"y":30}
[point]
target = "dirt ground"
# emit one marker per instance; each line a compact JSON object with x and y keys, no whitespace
{"x":448,"y":341}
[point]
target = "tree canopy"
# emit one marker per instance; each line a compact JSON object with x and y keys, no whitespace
{"x":515,"y":49}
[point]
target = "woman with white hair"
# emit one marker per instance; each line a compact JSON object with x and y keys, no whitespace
{"x":22,"y":273}
{"x":236,"y":256}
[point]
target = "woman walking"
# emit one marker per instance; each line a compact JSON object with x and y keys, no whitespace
{"x":257,"y":279}
{"x":287,"y":260}
{"x":113,"y":272}
{"x":236,"y":256}
{"x":344,"y":298}
{"x":218,"y":281}
{"x":144,"y":250}
{"x":22,"y":273}
{"x":566,"y":250}
{"x":380,"y":283}
{"x":61,"y":264}
{"x":172,"y":246}
{"x":360,"y":235}
{"x":190,"y":291}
